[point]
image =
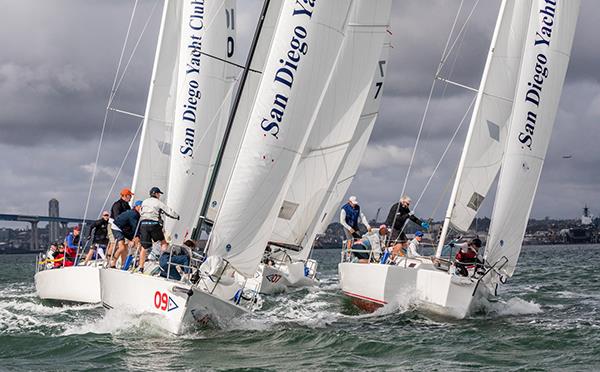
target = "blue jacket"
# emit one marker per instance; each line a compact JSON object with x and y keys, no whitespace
{"x":352,"y":215}
{"x":127,"y":222}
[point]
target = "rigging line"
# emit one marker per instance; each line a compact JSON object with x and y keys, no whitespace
{"x":94,"y":171}
{"x":137,"y":43}
{"x":462,"y":29}
{"x":445,"y":151}
{"x":122,"y":165}
{"x":443,"y":58}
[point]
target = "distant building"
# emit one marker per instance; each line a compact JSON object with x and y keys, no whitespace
{"x":55,"y":234}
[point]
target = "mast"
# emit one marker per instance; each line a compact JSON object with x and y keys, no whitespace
{"x":463,"y":156}
{"x":219,"y":158}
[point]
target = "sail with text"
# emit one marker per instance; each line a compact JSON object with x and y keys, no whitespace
{"x":299,"y":68}
{"x":247,"y":98}
{"x":541,"y":78}
{"x":335,"y":125}
{"x":356,"y":149}
{"x":205,"y":81}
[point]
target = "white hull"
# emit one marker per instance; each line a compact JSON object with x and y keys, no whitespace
{"x":281,"y":277}
{"x":77,"y":284}
{"x":374,"y":285}
{"x":177,"y":306}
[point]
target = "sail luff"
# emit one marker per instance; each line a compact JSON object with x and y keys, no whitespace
{"x":544,"y":66}
{"x":472,"y":124}
{"x":153,"y":151}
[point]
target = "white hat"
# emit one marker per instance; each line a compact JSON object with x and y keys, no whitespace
{"x":353,"y":200}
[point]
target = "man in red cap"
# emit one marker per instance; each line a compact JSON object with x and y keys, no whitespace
{"x":118,"y":207}
{"x":71,"y":243}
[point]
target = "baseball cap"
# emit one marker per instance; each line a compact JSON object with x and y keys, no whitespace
{"x":126,"y":191}
{"x":77,"y":228}
{"x":382,"y":226}
{"x":155,"y":190}
{"x":137,"y":203}
{"x":418,"y":233}
{"x":353,"y":200}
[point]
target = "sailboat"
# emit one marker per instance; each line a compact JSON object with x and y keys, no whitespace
{"x":287,"y":261}
{"x":290,"y":66}
{"x":548,"y":37}
{"x":529,"y":36}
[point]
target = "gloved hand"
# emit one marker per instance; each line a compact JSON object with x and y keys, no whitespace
{"x":351,"y":231}
{"x":425,"y":225}
{"x":451,"y":245}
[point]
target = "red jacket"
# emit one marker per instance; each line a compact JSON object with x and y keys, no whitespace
{"x":470,"y":256}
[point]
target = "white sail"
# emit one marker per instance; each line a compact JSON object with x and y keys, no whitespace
{"x":204,"y":89}
{"x":248,"y":96}
{"x":152,"y":164}
{"x":337,"y":190}
{"x":545,"y":61}
{"x":486,"y":139}
{"x":299,"y":67}
{"x":335,"y":125}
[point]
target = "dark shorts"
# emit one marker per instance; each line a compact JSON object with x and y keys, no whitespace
{"x":360,"y":251}
{"x":118,"y":235}
{"x":150,"y":232}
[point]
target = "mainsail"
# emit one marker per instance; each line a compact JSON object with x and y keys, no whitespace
{"x":486,"y":138}
{"x":204,"y":90}
{"x":335,"y":124}
{"x":358,"y":144}
{"x":299,"y":67}
{"x":154,"y":151}
{"x":545,"y":61}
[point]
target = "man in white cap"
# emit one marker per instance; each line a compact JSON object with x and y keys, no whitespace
{"x":349,"y":216}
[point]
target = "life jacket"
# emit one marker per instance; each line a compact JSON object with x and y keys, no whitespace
{"x":352,"y":215}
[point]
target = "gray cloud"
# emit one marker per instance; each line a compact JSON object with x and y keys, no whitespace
{"x":58,"y":64}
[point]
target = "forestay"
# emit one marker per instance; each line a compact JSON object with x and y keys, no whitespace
{"x":358,"y":144}
{"x":335,"y":124}
{"x":300,"y":62}
{"x":152,"y":164}
{"x":545,"y":60}
{"x":486,"y":138}
{"x":204,"y":88}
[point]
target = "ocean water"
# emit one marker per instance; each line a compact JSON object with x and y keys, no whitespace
{"x":549,"y":319}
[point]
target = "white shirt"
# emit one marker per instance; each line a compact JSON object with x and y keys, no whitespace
{"x":412,"y":248}
{"x":152,"y":208}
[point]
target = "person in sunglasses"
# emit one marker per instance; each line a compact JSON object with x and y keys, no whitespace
{"x":98,"y":237}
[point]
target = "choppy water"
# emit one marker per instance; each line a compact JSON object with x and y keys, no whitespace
{"x":550,"y":320}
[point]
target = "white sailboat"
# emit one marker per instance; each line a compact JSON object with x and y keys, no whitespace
{"x":290,"y":245}
{"x":272,"y":117}
{"x":549,"y":31}
{"x":511,"y":63}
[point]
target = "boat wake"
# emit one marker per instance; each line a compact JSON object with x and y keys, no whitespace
{"x":511,"y":307}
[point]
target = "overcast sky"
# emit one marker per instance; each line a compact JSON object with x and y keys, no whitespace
{"x":58,"y":59}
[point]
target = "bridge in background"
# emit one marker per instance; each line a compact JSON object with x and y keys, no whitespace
{"x":34,"y":220}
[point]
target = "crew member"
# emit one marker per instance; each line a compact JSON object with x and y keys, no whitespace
{"x":467,"y":256}
{"x":349,"y":216}
{"x":98,"y":237}
{"x":118,"y":207}
{"x":151,"y":229}
{"x":71,"y":244}
{"x":414,"y":245}
{"x":126,"y":227}
{"x":401,"y":212}
{"x":180,"y":256}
